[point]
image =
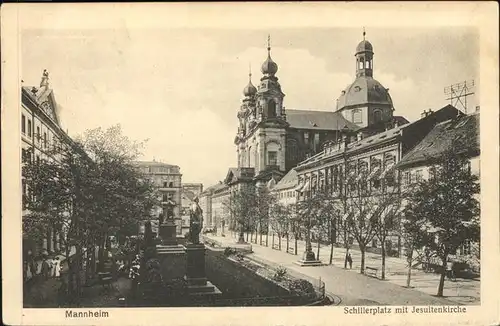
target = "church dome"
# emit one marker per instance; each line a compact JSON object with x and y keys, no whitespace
{"x":364,"y":90}
{"x":249,"y":90}
{"x":364,"y":46}
{"x":269,"y":66}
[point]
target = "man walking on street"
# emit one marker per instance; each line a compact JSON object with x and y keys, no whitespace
{"x":349,"y":260}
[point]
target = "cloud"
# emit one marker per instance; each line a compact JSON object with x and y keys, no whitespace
{"x":182,"y":88}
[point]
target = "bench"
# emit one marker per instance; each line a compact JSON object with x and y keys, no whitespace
{"x":105,"y":279}
{"x":291,"y":250}
{"x":277,"y":247}
{"x":371,"y":271}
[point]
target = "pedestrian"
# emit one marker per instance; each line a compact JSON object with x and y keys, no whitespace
{"x":349,"y":260}
{"x":57,"y":267}
{"x":45,"y":268}
{"x":52,"y":267}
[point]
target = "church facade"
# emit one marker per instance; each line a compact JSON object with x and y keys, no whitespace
{"x":271,"y":140}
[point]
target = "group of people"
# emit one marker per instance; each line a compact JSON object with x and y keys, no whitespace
{"x":135,"y":268}
{"x":51,"y":267}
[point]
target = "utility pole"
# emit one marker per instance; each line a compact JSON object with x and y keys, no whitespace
{"x":457,"y":94}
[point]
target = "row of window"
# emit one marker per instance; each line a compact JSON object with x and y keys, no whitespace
{"x":287,"y":194}
{"x":26,"y":129}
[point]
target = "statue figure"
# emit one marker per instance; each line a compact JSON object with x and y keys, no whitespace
{"x":168,"y":212}
{"x":161,"y":217}
{"x":195,"y":222}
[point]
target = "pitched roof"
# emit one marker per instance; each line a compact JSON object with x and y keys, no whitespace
{"x":41,"y":96}
{"x":400,"y":120}
{"x":325,"y":120}
{"x":288,"y":181}
{"x":464,"y":129}
{"x":377,"y":138}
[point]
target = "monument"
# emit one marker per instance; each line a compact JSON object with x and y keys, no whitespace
{"x":197,"y":282}
{"x":167,"y":231}
{"x":167,"y":227}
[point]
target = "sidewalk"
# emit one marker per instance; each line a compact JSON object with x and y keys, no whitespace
{"x":351,"y":286}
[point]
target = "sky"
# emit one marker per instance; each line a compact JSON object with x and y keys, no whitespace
{"x":180,"y":89}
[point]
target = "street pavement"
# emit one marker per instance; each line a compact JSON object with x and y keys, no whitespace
{"x":354,"y":288}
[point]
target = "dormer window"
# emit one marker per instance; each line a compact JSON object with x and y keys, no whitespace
{"x":357,"y":88}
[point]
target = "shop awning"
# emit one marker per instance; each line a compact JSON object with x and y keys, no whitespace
{"x":307,"y":186}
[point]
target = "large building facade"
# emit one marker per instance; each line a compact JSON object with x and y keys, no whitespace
{"x":168,"y":180}
{"x":41,"y":131}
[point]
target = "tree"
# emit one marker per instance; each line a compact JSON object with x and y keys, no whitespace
{"x":241,"y":208}
{"x":329,"y":215}
{"x":264,"y":201}
{"x":86,"y":189}
{"x":59,"y":187}
{"x":279,"y":220}
{"x":447,"y":201}
{"x":414,"y":235}
{"x":387,"y":205}
{"x":309,"y":213}
{"x":361,"y":219}
{"x":124,"y":195}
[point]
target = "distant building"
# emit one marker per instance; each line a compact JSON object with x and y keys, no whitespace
{"x":188,"y":194}
{"x":214,"y":201}
{"x":168,"y":180}
{"x":285,"y":189}
{"x":41,"y":131}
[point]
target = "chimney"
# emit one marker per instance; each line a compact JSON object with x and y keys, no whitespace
{"x":477,"y":108}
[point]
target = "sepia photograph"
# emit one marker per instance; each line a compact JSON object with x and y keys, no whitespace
{"x":193,"y":166}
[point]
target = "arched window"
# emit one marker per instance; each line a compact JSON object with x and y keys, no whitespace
{"x":272,"y":154}
{"x":361,"y":63}
{"x":367,"y":64}
{"x":271,"y":109}
{"x":377,"y":116}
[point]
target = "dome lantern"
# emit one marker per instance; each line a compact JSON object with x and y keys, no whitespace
{"x":364,"y":58}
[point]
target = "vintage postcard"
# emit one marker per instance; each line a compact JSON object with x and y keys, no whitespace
{"x":250,"y":163}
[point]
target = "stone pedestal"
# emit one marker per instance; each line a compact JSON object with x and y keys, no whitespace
{"x":168,"y":233}
{"x":195,"y":277}
{"x":309,"y":260}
